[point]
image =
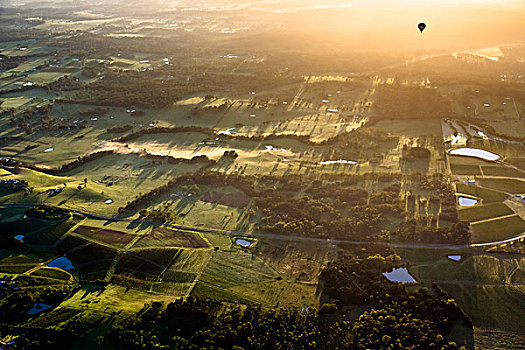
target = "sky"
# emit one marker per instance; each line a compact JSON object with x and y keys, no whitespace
{"x":364,"y":24}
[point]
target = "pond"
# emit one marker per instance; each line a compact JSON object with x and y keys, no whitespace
{"x":243,"y":242}
{"x":454,"y":257}
{"x":62,"y":263}
{"x":474,"y":152}
{"x":339,"y":161}
{"x":229,"y":131}
{"x":271,"y":148}
{"x":467,"y":201}
{"x":38,"y":308}
{"x":400,"y":274}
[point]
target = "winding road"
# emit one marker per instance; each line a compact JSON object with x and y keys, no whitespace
{"x":283,"y":237}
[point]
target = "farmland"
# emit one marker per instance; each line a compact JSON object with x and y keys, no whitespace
{"x":494,"y":185}
{"x":179,"y":168}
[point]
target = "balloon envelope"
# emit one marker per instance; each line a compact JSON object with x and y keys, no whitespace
{"x":421,"y":27}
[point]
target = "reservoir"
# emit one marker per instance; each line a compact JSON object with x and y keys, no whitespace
{"x":454,"y":257}
{"x":400,"y":274}
{"x":62,"y":263}
{"x":38,"y":308}
{"x":467,"y":201}
{"x":243,"y":242}
{"x":474,"y":152}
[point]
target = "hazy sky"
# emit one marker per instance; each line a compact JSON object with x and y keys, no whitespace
{"x":353,"y":24}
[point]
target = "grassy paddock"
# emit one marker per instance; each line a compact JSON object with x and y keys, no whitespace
{"x":483,"y":269}
{"x":465,"y":169}
{"x":497,"y":229}
{"x":482,"y":212}
{"x":487,"y":195}
{"x":502,"y":171}
{"x":51,"y":273}
{"x":491,"y":307}
{"x":514,"y":186}
{"x":114,"y":298}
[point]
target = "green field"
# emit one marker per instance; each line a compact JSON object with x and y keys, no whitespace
{"x":29,"y":65}
{"x":114,"y":298}
{"x":502,"y":171}
{"x":52,"y":273}
{"x":465,"y":169}
{"x":497,"y":339}
{"x":489,"y":288}
{"x":194,"y":210}
{"x":498,"y":229}
{"x":481,"y":269}
{"x":15,"y":102}
{"x":116,"y":177}
{"x":486,"y":194}
{"x":490,"y":307}
{"x":41,"y":78}
{"x":514,"y":186}
{"x":483,"y":212}
{"x":242,"y":269}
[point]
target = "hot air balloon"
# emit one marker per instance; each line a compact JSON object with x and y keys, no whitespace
{"x":421,"y":26}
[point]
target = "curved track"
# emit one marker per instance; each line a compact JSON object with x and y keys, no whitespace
{"x":283,"y":237}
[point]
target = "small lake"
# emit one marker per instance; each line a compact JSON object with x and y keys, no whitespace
{"x":271,"y":148}
{"x":454,"y":257}
{"x":62,"y":263}
{"x":481,"y":133}
{"x":400,"y":274}
{"x":229,"y":131}
{"x":38,"y":308}
{"x":467,"y":201}
{"x":339,"y":161}
{"x":243,"y":242}
{"x":474,"y":152}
